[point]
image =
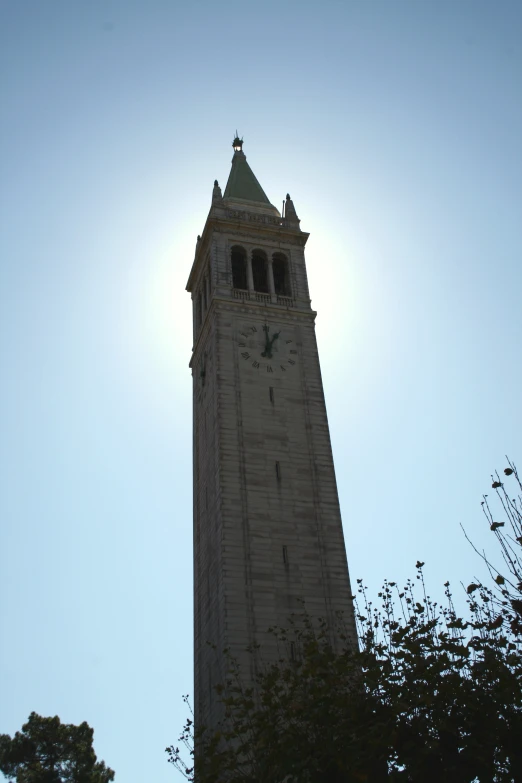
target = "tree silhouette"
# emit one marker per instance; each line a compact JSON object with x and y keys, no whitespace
{"x":429,"y":696}
{"x":48,"y":751}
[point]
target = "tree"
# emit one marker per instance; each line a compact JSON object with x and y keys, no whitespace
{"x":506,"y":577}
{"x":429,"y":696}
{"x":48,"y":751}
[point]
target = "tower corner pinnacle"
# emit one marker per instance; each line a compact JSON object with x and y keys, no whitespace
{"x":290,"y":217}
{"x":216,"y":193}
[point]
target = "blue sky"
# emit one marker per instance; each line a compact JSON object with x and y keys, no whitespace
{"x":395,"y":125}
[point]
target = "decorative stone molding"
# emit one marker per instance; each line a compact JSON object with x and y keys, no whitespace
{"x":239,"y":214}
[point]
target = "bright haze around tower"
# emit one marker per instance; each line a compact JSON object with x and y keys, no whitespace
{"x":395,"y":127}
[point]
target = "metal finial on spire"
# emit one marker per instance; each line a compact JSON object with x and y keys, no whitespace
{"x":237,"y":143}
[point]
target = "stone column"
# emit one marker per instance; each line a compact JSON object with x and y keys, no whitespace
{"x":250,"y":276}
{"x":270,"y":273}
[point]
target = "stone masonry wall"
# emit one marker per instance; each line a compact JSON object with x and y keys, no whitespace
{"x":266,"y":539}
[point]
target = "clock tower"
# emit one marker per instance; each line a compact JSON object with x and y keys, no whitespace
{"x":267,"y":525}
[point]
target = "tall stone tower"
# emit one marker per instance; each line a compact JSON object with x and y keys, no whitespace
{"x":267,"y":525}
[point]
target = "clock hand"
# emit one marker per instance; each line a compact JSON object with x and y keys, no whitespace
{"x":267,"y":353}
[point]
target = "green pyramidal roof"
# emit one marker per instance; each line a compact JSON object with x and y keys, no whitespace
{"x":242,"y":183}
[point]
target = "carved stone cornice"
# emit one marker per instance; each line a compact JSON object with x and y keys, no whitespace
{"x":275,"y":241}
{"x":253,"y":217}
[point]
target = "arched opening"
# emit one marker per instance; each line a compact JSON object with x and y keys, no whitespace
{"x":259,"y":272}
{"x":281,"y":276}
{"x":239,"y":274}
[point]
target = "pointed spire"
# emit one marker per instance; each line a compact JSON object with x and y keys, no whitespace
{"x":242,"y":183}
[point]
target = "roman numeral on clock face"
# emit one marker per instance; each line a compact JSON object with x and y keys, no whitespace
{"x":245,"y":355}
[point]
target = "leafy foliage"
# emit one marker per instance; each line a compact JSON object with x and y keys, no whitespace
{"x":507,"y":577}
{"x":429,"y":696}
{"x":48,"y":751}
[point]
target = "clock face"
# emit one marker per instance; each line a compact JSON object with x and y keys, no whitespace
{"x":267,"y":347}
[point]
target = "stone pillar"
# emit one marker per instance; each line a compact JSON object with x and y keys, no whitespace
{"x":270,"y":273}
{"x":250,"y":276}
